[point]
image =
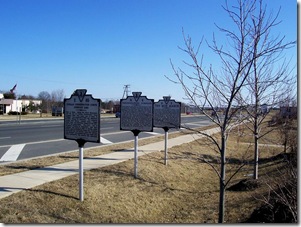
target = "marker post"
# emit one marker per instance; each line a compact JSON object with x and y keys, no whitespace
{"x":82,"y":124}
{"x":136,"y":115}
{"x":166,"y":144}
{"x":136,"y":133}
{"x":167,"y":114}
{"x":81,"y":174}
{"x":81,"y":168}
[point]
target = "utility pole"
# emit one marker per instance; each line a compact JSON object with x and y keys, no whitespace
{"x":125,"y":91}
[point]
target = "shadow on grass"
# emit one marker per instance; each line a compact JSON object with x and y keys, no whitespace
{"x":142,"y":180}
{"x":11,"y":189}
{"x":165,"y":187}
{"x":273,"y":160}
{"x":52,"y":193}
{"x":113,"y":172}
{"x":68,"y":157}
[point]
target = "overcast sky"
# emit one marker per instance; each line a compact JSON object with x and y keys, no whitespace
{"x":102,"y":45}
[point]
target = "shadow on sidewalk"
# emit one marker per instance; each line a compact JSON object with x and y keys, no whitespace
{"x":56,"y":169}
{"x":99,"y":158}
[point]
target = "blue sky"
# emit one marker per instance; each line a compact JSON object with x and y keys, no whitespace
{"x":102,"y":45}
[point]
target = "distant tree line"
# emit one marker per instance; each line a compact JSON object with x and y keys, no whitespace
{"x":108,"y":105}
{"x":53,"y":98}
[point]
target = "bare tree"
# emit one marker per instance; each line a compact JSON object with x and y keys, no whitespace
{"x":220,"y":87}
{"x":46,"y":98}
{"x":57,"y":97}
{"x":271,"y":77}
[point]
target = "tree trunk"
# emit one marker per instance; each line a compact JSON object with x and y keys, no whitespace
{"x":256,"y":114}
{"x":222,"y":181}
{"x":255,"y":174}
{"x":256,"y":152}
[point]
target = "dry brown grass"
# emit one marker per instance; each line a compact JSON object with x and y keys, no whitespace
{"x":184,"y":191}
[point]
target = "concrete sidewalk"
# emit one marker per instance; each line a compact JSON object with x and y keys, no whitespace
{"x":13,"y":183}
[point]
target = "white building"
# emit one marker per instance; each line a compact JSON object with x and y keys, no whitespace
{"x":19,"y":105}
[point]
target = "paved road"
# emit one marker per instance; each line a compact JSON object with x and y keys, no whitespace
{"x":34,"y":138}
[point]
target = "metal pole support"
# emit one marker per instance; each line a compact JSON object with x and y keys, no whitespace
{"x":81,"y":174}
{"x":166,"y":144}
{"x":81,"y":143}
{"x":136,"y":133}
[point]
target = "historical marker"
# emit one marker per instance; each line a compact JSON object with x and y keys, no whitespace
{"x":82,"y":123}
{"x":167,"y":113}
{"x":82,"y":117}
{"x":136,"y":113}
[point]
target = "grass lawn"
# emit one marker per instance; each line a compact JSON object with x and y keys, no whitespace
{"x":184,"y":191}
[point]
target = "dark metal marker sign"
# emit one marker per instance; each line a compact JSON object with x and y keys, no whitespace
{"x":82,"y":123}
{"x":167,"y":113}
{"x":82,"y":117}
{"x":136,"y":113}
